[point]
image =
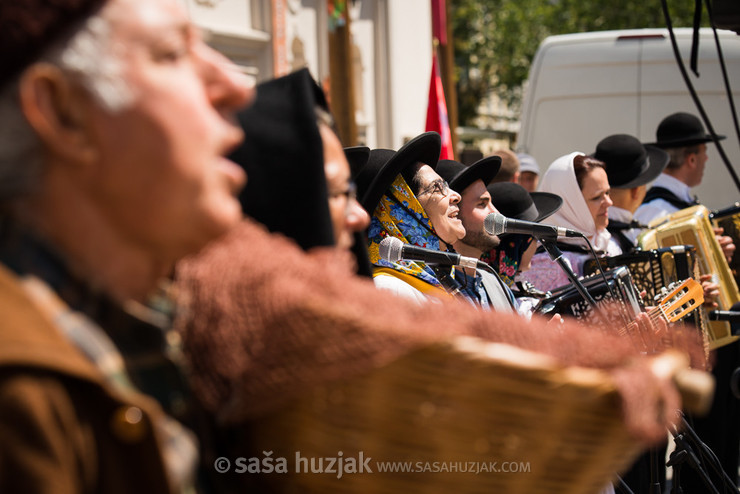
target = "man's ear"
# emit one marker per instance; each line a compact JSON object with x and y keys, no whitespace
{"x":56,"y":108}
{"x":691,"y":159}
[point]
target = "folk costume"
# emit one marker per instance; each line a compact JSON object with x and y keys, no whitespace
{"x":560,"y":179}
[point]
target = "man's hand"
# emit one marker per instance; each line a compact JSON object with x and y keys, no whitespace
{"x":726,"y":243}
{"x":650,"y":399}
{"x":711,"y":291}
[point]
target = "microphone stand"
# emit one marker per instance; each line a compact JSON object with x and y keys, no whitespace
{"x":557,"y":255}
{"x":622,"y":487}
{"x":655,"y":487}
{"x":450,"y":284}
{"x":684,"y":453}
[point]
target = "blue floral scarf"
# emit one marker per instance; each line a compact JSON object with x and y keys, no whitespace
{"x":399,"y":214}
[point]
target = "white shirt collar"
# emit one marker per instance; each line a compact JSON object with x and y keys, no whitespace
{"x":619,"y":214}
{"x":680,"y":189}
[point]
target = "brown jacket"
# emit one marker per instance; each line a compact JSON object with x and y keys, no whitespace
{"x":63,"y":429}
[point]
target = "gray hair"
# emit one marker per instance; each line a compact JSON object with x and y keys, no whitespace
{"x":678,"y":155}
{"x":89,"y":58}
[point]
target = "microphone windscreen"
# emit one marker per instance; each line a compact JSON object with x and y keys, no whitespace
{"x":390,"y":249}
{"x":494,"y":223}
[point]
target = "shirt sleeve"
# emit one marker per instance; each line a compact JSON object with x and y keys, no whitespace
{"x":400,"y":289}
{"x":653,"y":210}
{"x":545,"y":274}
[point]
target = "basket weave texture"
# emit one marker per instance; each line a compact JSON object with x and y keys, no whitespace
{"x":455,"y":403}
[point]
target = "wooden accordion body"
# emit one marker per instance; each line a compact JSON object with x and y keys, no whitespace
{"x":691,"y":226}
{"x":729,"y":220}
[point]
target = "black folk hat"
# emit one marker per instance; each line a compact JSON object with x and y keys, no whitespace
{"x":29,"y":27}
{"x":283,"y":156}
{"x":459,"y":176}
{"x":282,"y":153}
{"x":680,"y":130}
{"x":628,"y":162}
{"x":513,"y":201}
{"x":384,"y":165}
{"x":357,"y":157}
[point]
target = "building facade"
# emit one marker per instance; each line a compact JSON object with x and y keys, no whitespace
{"x":390,"y":52}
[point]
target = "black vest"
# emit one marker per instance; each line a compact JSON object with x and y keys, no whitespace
{"x":617,"y":228}
{"x":668,"y":196}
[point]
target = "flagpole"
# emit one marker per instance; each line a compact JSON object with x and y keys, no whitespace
{"x":447,"y":67}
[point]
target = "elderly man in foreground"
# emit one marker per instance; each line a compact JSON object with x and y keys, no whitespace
{"x":116,"y":119}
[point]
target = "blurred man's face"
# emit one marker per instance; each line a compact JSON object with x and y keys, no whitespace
{"x":640,"y":194}
{"x":699,"y":163}
{"x":162,"y":178}
{"x":347,"y":216}
{"x":529,"y":180}
{"x":475,"y":206}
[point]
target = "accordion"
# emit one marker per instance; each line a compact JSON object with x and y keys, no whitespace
{"x":691,"y":226}
{"x":729,"y":220}
{"x":568,"y":301}
{"x":651,"y":270}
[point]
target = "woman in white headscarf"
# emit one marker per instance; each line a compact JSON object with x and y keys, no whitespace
{"x":582,"y":183}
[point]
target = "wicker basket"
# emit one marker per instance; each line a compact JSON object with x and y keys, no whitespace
{"x":471,"y":404}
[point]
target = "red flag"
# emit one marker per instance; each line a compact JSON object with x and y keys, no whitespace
{"x":437,"y":113}
{"x":439,"y":21}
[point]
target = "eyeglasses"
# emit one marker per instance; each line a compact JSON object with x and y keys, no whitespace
{"x":350,"y":192}
{"x":439,"y":186}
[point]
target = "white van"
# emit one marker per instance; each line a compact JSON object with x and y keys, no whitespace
{"x":584,"y":87}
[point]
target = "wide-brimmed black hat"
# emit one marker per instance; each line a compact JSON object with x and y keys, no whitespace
{"x":357,"y":157}
{"x":459,"y":176}
{"x":679,"y":130}
{"x":629,"y":163}
{"x":384,"y":165}
{"x":513,"y":201}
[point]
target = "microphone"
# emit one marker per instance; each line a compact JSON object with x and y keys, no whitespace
{"x":497,"y":224}
{"x":731,"y":316}
{"x":394,"y":250}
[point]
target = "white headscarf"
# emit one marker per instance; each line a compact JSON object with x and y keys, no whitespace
{"x":560,"y":179}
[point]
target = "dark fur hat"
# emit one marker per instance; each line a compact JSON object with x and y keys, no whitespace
{"x":28,"y":27}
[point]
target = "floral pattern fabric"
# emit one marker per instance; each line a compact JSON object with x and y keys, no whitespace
{"x":399,"y":214}
{"x":506,"y":257}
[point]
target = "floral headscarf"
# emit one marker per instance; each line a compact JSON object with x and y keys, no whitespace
{"x":399,"y":214}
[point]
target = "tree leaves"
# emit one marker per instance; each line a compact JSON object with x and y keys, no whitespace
{"x":495,"y":40}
